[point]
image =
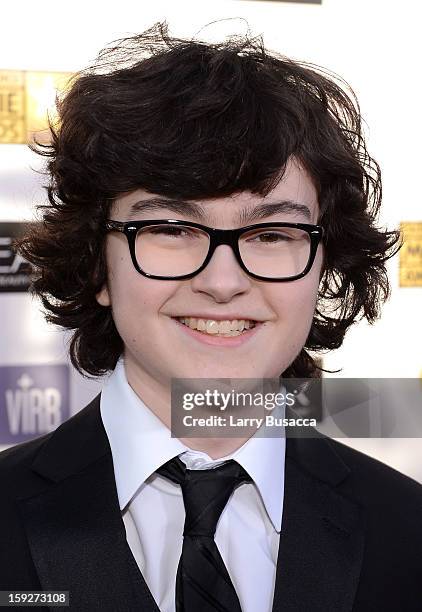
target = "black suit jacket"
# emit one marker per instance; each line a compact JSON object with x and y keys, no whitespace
{"x":351,"y":536}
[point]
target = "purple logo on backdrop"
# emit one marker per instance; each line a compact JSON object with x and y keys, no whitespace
{"x":33,"y":401}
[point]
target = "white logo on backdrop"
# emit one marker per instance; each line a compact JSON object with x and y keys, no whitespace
{"x":32,"y":410}
{"x":7,"y":253}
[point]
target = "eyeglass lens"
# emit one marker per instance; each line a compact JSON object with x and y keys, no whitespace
{"x":272,"y":252}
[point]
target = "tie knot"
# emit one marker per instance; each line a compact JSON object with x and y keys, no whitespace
{"x":205,"y":492}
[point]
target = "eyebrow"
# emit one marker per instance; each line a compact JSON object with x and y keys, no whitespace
{"x":198,"y":212}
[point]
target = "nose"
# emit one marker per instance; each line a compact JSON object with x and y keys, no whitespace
{"x":222,"y":278}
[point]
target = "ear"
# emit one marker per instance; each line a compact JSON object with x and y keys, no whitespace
{"x":103,"y":296}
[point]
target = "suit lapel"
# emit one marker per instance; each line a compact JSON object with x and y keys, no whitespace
{"x":321,"y":542}
{"x":74,"y":526}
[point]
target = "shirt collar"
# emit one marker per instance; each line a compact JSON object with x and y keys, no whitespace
{"x":263,"y":459}
{"x":140,"y":443}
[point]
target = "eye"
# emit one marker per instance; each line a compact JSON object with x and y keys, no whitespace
{"x":166,"y":230}
{"x":173,"y":235}
{"x":271,"y":237}
{"x":172,"y":231}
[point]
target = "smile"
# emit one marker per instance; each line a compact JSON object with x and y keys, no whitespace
{"x":226,"y":328}
{"x":214,"y":335}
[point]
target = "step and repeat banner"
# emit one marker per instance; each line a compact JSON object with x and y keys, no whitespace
{"x":34,"y":396}
{"x":25,"y":96}
{"x":39,"y":389}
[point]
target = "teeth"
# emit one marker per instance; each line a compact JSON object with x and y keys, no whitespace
{"x":223,"y":328}
{"x":212,"y":327}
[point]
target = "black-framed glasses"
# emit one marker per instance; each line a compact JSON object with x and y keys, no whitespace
{"x":170,"y":249}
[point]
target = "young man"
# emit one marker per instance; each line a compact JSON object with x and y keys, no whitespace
{"x":212,"y":214}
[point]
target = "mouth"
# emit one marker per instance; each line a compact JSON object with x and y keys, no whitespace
{"x":228,"y":333}
{"x":223,"y":329}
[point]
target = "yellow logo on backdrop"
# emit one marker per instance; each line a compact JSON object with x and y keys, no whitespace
{"x":411,"y":254}
{"x":25,"y":99}
{"x":12,"y":106}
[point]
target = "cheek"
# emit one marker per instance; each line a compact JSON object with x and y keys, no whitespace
{"x":131,"y":301}
{"x":133,"y":311}
{"x":136,"y":302}
{"x":295,"y":305}
{"x":124,"y":282}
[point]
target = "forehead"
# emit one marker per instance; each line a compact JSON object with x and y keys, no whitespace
{"x":294,"y":196}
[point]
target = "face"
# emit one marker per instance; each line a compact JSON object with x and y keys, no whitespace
{"x":157,"y":347}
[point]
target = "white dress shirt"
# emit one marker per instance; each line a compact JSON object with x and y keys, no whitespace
{"x":248,"y":532}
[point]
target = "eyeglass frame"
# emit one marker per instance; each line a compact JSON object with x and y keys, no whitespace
{"x":217,"y":237}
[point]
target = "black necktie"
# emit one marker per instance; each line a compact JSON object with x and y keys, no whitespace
{"x":202,"y":581}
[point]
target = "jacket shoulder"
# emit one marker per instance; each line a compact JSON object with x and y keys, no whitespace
{"x":17,"y":459}
{"x":377,"y":482}
{"x":16,"y":473}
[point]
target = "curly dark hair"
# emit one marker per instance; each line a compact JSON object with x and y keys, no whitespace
{"x":188,"y":119}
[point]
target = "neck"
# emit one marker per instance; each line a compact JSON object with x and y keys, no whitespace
{"x":158,"y":399}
